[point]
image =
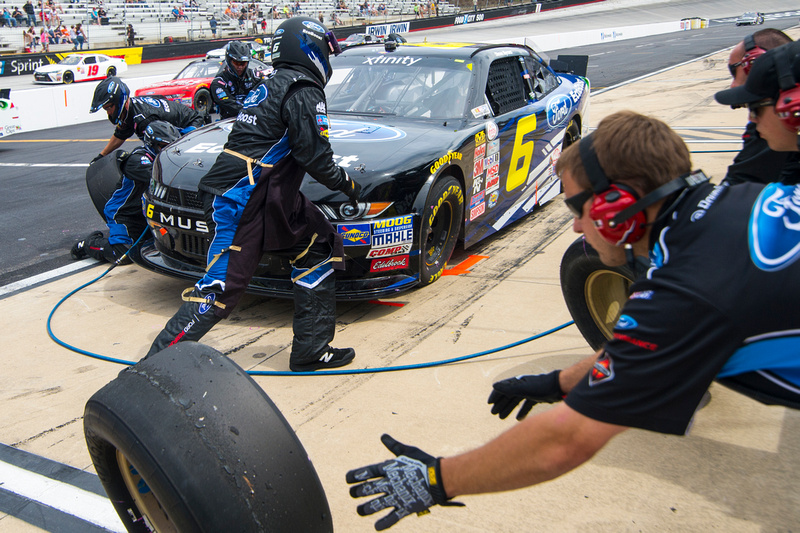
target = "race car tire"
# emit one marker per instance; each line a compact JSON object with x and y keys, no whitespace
{"x":441,"y":224}
{"x":102,"y":179}
{"x":112,"y":71}
{"x":202,"y":101}
{"x":185,"y":440}
{"x":572,"y":133}
{"x":594,"y":293}
{"x":68,"y":77}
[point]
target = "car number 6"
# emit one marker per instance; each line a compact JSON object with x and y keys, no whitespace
{"x":521,"y":156}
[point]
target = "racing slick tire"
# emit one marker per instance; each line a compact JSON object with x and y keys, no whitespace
{"x":594,"y":293}
{"x":202,"y":101}
{"x":68,"y":77}
{"x":102,"y":178}
{"x":185,"y":440}
{"x":440,"y":226}
{"x":112,"y":71}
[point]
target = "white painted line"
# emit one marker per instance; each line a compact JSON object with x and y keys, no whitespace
{"x":62,"y":496}
{"x":33,"y":280}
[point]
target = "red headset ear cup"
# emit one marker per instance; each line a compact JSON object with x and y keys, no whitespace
{"x":606,"y":205}
{"x":788,"y":108}
{"x":750,"y":56}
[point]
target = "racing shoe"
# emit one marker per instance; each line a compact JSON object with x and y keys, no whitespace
{"x":78,"y":250}
{"x":330,"y":358}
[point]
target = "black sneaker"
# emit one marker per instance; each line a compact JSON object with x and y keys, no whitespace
{"x":78,"y":250}
{"x":330,"y":358}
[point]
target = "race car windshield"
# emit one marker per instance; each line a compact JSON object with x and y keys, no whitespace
{"x":71,"y":60}
{"x":201,"y":69}
{"x":436,"y":90}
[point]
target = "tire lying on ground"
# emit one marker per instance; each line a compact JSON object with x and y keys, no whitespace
{"x":187,"y":441}
{"x":594,"y":293}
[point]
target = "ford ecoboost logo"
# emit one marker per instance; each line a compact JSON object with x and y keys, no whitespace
{"x":558,"y":109}
{"x":313,"y":26}
{"x":349,"y":131}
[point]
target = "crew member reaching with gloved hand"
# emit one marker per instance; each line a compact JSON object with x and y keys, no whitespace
{"x":232,"y":84}
{"x":252,"y":202}
{"x":132,"y":114}
{"x":123,"y":211}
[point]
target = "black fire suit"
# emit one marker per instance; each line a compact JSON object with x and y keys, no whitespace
{"x":144,"y":109}
{"x":756,"y":162}
{"x":283,"y":129}
{"x":228,"y":90}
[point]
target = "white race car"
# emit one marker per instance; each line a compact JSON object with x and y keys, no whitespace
{"x":80,"y":67}
{"x":9,"y":115}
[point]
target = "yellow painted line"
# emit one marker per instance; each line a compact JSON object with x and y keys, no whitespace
{"x":55,"y":140}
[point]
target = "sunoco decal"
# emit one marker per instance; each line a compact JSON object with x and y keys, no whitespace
{"x":558,"y":109}
{"x":355,"y":234}
{"x":349,"y":131}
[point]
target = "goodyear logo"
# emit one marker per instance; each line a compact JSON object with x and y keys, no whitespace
{"x":355,"y":234}
{"x":450,"y":156}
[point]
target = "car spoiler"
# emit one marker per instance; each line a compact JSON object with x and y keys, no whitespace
{"x":569,"y":64}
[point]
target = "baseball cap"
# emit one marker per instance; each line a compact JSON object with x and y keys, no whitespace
{"x":766,"y":79}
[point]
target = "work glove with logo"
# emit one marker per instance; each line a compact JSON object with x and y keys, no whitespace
{"x":351,"y":188}
{"x":533,"y":389}
{"x":411,"y":483}
{"x":96,"y":158}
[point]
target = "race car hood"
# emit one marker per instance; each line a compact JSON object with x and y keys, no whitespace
{"x":372,"y":153}
{"x":47,"y":69}
{"x":172,"y":84}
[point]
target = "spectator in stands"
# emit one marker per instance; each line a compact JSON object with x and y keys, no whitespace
{"x":30,"y":13}
{"x":44,"y":37}
{"x":93,"y":17}
{"x":80,"y":36}
{"x":241,"y":20}
{"x":131,"y":34}
{"x":213,"y":23}
{"x":8,"y":20}
{"x":27,"y":41}
{"x":19,"y":17}
{"x":65,"y":35}
{"x":73,"y":38}
{"x":53,"y":37}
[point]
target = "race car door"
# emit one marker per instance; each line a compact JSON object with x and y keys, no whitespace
{"x":505,"y":153}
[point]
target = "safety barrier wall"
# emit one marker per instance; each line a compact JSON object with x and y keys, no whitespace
{"x":65,"y":105}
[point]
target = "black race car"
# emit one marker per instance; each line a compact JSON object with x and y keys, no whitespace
{"x":448,"y":140}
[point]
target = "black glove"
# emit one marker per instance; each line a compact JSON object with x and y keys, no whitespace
{"x":411,"y":483}
{"x":351,"y":188}
{"x":506,"y":394}
{"x":98,"y":156}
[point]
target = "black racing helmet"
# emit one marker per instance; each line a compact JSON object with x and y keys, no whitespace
{"x":304,"y":42}
{"x":158,"y":134}
{"x":111,"y":89}
{"x":236,"y":51}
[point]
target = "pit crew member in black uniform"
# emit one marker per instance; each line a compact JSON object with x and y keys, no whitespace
{"x":132,"y":114}
{"x":253,"y":202}
{"x":686,"y":323}
{"x":123,"y":211}
{"x":755,"y":161}
{"x":231,"y":85}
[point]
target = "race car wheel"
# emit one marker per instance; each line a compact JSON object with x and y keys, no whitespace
{"x":112,"y":71}
{"x":594,"y":293}
{"x":185,"y":440}
{"x":572,"y":134}
{"x":441,"y":223}
{"x":202,"y":101}
{"x":68,"y":77}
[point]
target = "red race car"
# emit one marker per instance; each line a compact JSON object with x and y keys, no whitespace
{"x":190,"y":86}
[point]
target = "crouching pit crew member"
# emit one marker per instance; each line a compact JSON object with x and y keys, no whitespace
{"x":685,"y":324}
{"x":123,"y":211}
{"x":132,"y":114}
{"x":253,"y":202}
{"x":232,"y":84}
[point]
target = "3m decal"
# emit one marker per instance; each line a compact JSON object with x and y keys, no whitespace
{"x":477,"y":169}
{"x":355,"y":234}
